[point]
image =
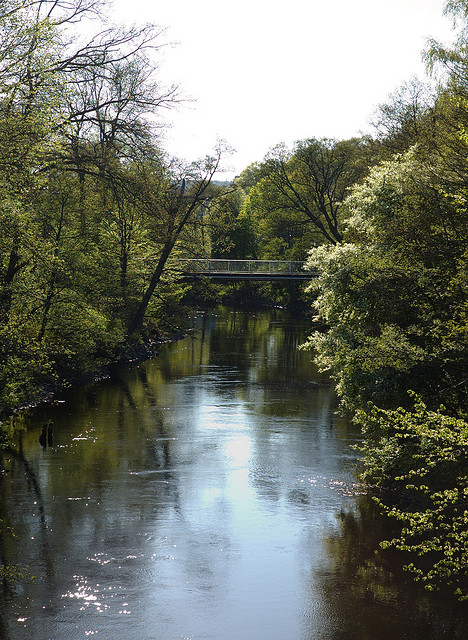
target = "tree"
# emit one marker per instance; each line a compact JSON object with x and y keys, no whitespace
{"x":391,"y":294}
{"x":407,"y":119}
{"x":251,"y":176}
{"x":77,"y":117}
{"x":451,"y":60}
{"x":172,"y":206}
{"x":50,"y":91}
{"x":419,"y":457}
{"x":231,"y":233}
{"x":309,"y":184}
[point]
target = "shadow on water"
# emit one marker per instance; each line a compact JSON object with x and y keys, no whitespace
{"x":368,"y":595}
{"x":19,"y":465}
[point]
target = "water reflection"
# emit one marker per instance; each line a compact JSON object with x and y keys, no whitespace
{"x":195,"y":496}
{"x":367,"y":590}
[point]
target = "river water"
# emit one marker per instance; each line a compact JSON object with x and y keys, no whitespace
{"x":208,"y":494}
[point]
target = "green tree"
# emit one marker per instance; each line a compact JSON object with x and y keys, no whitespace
{"x":74,"y":127}
{"x":171,"y":206}
{"x":391,"y":295}
{"x":300,"y":196}
{"x":231,"y":232}
{"x":409,"y":118}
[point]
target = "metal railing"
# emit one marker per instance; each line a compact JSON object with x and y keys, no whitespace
{"x":244,"y":268}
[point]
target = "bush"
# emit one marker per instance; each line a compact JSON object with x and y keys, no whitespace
{"x":419,"y":459}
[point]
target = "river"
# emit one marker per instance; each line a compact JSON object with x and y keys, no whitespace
{"x":207,"y":494}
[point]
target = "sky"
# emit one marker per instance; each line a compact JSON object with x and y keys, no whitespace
{"x":263,"y":72}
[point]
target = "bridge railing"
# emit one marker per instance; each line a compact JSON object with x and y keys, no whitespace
{"x":211,"y":265}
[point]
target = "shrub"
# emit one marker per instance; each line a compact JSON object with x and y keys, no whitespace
{"x":419,"y":460}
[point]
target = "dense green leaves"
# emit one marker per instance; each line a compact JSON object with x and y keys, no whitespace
{"x":90,"y":207}
{"x":303,"y":189}
{"x":419,"y":458}
{"x":391,"y":294}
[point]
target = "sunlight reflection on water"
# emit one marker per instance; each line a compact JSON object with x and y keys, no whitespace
{"x":238,"y":450}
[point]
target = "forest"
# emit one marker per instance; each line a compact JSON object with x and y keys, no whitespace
{"x":95,"y":216}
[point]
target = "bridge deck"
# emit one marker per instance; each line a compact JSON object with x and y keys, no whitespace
{"x":246,"y":269}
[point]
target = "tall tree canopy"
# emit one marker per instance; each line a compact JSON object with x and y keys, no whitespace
{"x":308,"y":184}
{"x":392,"y":293}
{"x":91,"y":208}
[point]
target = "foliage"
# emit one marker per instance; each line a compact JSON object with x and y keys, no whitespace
{"x":393,"y":295}
{"x":392,"y":299}
{"x":184,"y":192}
{"x":91,"y":209}
{"x":231,"y":231}
{"x":408,"y":118}
{"x":420,"y":458}
{"x":298,"y":199}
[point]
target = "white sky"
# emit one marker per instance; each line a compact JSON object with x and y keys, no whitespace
{"x":269,"y":71}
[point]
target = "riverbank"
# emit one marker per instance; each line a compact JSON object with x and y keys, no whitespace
{"x":206,"y":296}
{"x":129,"y":354}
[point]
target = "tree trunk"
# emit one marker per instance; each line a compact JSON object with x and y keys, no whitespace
{"x":136,"y":321}
{"x":5,"y":290}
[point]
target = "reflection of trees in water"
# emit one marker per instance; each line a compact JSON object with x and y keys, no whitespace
{"x":247,"y":354}
{"x":109,"y":440}
{"x":37,"y":521}
{"x":270,"y":340}
{"x":367,"y":595}
{"x":253,"y":357}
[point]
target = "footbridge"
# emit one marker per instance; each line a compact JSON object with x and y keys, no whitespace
{"x":246,"y":269}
